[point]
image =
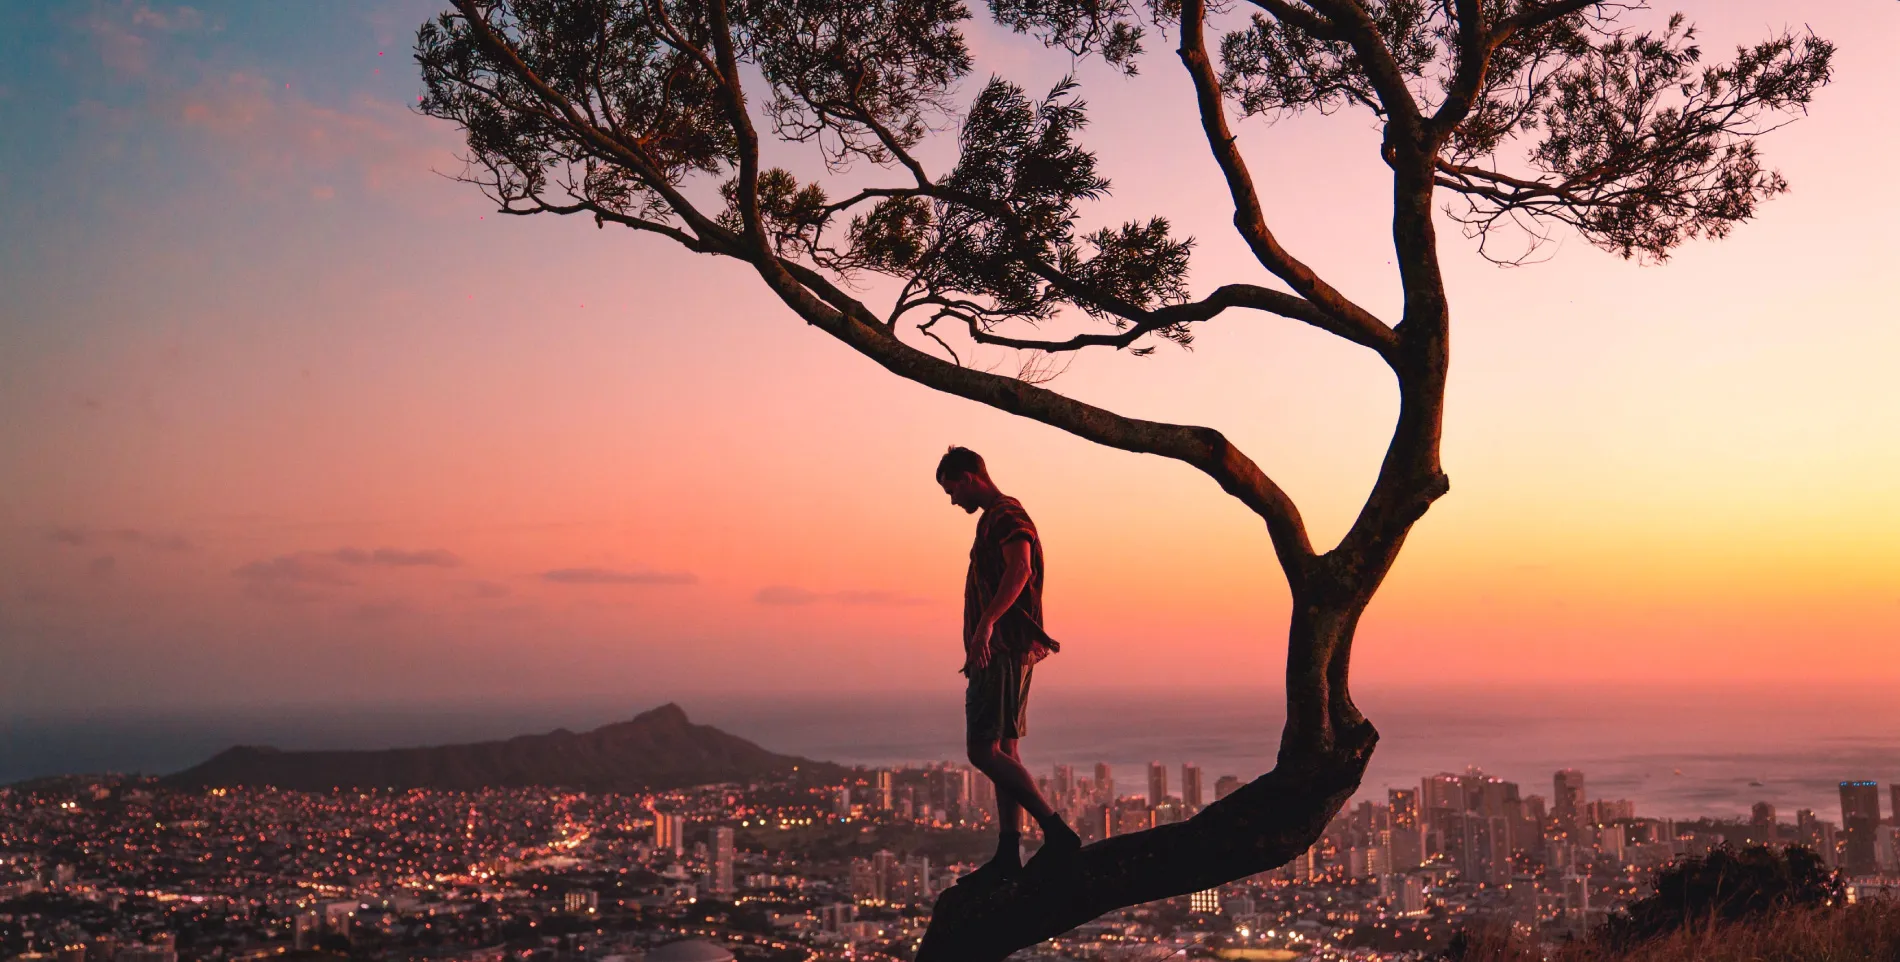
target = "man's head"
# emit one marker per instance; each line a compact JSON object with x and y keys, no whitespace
{"x":966,"y":479}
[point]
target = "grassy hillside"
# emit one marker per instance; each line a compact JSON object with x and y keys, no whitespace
{"x":1866,"y":932}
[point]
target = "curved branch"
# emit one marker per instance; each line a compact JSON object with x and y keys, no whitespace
{"x":1357,"y":28}
{"x":1261,"y":826}
{"x":1223,"y":297}
{"x":1475,"y":46}
{"x":816,"y":299}
{"x":1249,"y":218}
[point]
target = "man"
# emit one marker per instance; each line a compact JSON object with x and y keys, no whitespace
{"x":1002,"y":641}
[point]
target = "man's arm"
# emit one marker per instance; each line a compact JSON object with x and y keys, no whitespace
{"x":1016,"y":573}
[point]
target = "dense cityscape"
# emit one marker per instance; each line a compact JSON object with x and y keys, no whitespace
{"x":122,"y":869}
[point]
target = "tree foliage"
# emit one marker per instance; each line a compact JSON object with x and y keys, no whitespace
{"x":680,"y":118}
{"x":1726,"y":886}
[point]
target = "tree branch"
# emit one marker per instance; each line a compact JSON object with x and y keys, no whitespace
{"x":1301,"y":18}
{"x":1473,"y":49}
{"x":1536,"y":15}
{"x":1228,"y":295}
{"x":1249,"y":218}
{"x":1261,"y":826}
{"x":817,"y":300}
{"x":586,"y":133}
{"x":1357,"y":28}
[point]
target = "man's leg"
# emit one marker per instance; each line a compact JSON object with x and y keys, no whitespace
{"x":1008,"y":859}
{"x":1007,"y":771}
{"x":1004,"y":766}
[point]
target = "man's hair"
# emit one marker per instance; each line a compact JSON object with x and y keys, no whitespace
{"x":961,"y":461}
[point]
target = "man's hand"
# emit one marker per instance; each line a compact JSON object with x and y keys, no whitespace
{"x":976,"y":651}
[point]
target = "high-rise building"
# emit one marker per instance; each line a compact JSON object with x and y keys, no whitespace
{"x":1104,"y":784}
{"x":1157,"y":783}
{"x":1860,"y":815}
{"x":1407,"y":841}
{"x":982,"y":794}
{"x":1191,"y":787}
{"x":722,"y":853}
{"x":884,"y":866}
{"x":867,"y":885}
{"x":1761,"y":818}
{"x":1226,"y":785}
{"x":1566,"y":807}
{"x":881,"y":789}
{"x":1206,"y":901}
{"x":669,"y":832}
{"x":1064,"y":784}
{"x":1815,"y":834}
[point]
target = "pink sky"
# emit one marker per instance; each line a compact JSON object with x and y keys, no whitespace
{"x":250,"y":341}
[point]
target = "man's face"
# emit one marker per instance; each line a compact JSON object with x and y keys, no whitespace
{"x":962,"y":491}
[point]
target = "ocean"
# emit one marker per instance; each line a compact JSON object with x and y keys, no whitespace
{"x":1674,"y":752}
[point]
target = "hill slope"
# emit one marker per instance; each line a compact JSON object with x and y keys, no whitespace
{"x":656,"y":750}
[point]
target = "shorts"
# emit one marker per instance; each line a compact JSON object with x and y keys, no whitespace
{"x":996,"y":703}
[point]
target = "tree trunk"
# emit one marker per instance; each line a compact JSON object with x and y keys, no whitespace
{"x":1261,"y":826}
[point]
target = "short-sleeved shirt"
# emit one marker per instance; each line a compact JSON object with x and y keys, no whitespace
{"x":1019,"y":633}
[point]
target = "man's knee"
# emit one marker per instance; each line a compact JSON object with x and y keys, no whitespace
{"x":983,"y":754}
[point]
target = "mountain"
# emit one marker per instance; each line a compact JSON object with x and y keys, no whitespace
{"x":659,"y":749}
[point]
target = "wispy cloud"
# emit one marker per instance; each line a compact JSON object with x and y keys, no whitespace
{"x":789,"y":595}
{"x":81,"y":537}
{"x":125,"y":32}
{"x":272,"y":137}
{"x":290,"y":577}
{"x":397,"y":558}
{"x":610,"y":576}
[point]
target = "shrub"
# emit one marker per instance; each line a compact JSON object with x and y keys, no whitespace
{"x":1725,"y":886}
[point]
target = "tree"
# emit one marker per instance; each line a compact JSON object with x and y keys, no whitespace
{"x":1530,"y":114}
{"x":1726,"y":886}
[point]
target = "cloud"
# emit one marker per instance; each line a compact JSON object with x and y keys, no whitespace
{"x":125,"y":32}
{"x":487,"y":589}
{"x":155,"y":541}
{"x":290,"y":577}
{"x":170,"y":21}
{"x":271,"y":136}
{"x":784,"y":595}
{"x":608,"y":576}
{"x":397,"y":557}
{"x":788,"y":595}
{"x":307,"y":568}
{"x":102,"y":567}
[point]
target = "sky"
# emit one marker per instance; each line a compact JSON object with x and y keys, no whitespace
{"x":289,"y":416}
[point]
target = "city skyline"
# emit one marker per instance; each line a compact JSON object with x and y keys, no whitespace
{"x":373,"y":872}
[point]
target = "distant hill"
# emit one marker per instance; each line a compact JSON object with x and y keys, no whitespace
{"x":658,"y":749}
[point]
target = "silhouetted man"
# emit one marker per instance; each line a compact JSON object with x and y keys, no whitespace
{"x":1002,"y":641}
